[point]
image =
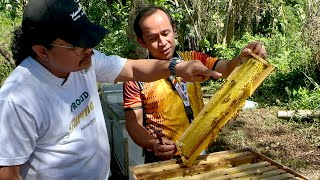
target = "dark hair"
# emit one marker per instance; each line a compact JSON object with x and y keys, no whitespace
{"x":21,"y":44}
{"x":147,"y":12}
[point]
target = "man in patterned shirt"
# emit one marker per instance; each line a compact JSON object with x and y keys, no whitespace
{"x":157,"y":113}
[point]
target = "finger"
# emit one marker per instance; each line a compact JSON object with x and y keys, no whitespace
{"x":201,"y":78}
{"x":167,"y":148}
{"x":210,"y":73}
{"x":262,"y":55}
{"x":246,"y":52}
{"x":250,"y":45}
{"x":164,"y":148}
{"x":216,"y":75}
{"x":165,"y":154}
{"x":168,"y":142}
{"x":257,"y":48}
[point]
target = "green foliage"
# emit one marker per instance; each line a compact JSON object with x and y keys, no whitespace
{"x":311,"y":29}
{"x":5,"y":70}
{"x":294,"y":71}
{"x":6,"y":27}
{"x":115,"y":18}
{"x":304,"y":98}
{"x":200,"y":26}
{"x":11,"y":9}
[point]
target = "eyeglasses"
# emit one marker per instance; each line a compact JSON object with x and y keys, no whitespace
{"x":77,"y":50}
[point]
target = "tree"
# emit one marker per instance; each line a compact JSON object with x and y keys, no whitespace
{"x":312,"y":29}
{"x":137,"y":50}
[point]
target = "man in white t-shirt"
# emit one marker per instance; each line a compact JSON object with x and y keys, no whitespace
{"x":51,"y":121}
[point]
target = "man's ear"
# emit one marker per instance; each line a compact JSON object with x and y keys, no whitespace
{"x":141,"y":42}
{"x":41,"y":52}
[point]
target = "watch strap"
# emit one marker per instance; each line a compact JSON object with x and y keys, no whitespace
{"x":172,"y":65}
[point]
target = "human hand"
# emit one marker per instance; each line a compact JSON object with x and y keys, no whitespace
{"x":166,"y":150}
{"x":195,"y":71}
{"x":256,"y":47}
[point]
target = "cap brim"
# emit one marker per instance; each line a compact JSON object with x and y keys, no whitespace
{"x":86,"y":34}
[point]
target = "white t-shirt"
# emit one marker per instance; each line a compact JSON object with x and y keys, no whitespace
{"x":56,"y":131}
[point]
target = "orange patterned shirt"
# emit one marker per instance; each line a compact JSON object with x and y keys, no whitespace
{"x":163,"y":108}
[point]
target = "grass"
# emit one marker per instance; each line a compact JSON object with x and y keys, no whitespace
{"x":292,"y":144}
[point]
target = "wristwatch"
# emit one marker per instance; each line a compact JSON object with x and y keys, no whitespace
{"x":172,"y":65}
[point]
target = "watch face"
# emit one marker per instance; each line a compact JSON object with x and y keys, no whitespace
{"x":177,"y":59}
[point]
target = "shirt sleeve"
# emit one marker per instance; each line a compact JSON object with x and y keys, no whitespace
{"x":131,"y":96}
{"x":107,"y":68}
{"x":208,"y":61}
{"x":18,"y":134}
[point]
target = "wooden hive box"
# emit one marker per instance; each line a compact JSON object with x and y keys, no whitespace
{"x":241,"y":164}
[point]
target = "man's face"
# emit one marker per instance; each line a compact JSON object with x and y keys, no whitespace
{"x":63,"y":58}
{"x":158,"y":35}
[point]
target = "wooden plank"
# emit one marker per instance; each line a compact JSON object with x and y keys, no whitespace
{"x":266,"y":174}
{"x":245,"y":173}
{"x":201,"y":157}
{"x":175,"y":173}
{"x":294,"y":178}
{"x":241,"y":164}
{"x":248,"y":175}
{"x":223,"y":173}
{"x":265,"y":158}
{"x":236,"y":171}
{"x":281,"y":176}
{"x":195,"y":169}
{"x":259,"y":58}
{"x":176,"y":164}
{"x":224,"y":154}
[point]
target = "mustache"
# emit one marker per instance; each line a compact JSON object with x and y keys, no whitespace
{"x":90,"y":53}
{"x":85,"y":58}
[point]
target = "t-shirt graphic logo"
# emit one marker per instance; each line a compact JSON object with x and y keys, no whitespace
{"x":79,"y":101}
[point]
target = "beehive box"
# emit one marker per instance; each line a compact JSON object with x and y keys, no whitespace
{"x":126,"y":153}
{"x":241,"y":164}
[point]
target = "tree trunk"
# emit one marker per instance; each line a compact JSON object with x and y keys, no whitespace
{"x":229,"y":24}
{"x":7,"y":56}
{"x":138,"y":51}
